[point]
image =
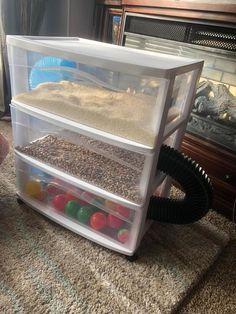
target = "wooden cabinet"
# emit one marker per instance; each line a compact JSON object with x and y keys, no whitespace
{"x":108,"y":21}
{"x":220,"y":165}
{"x":217,"y":159}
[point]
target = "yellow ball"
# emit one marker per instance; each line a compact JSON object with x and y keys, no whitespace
{"x":32,"y":188}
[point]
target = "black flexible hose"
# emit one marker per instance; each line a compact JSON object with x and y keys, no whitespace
{"x":195,"y":183}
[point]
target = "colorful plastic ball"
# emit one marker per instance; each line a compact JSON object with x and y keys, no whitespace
{"x":53,"y":189}
{"x":72,"y":208}
{"x":59,"y":202}
{"x":39,"y":173}
{"x":42,"y":196}
{"x":109,"y":204}
{"x":125,"y":212}
{"x":32,"y":188}
{"x":98,"y":221}
{"x":87,"y":196}
{"x":58,"y":182}
{"x":123,"y":235}
{"x":98,"y":201}
{"x":114,"y":222}
{"x":84,"y":214}
{"x":82,"y":202}
{"x":71,"y":197}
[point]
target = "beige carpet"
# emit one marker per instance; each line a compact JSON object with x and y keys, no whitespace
{"x":47,"y":269}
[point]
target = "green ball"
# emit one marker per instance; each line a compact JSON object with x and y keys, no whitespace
{"x":72,"y":208}
{"x":84,"y":213}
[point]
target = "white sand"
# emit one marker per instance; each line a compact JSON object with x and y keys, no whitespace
{"x":119,"y":113}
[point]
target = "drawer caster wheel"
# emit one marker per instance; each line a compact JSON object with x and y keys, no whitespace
{"x":132,"y":258}
{"x":19,"y":201}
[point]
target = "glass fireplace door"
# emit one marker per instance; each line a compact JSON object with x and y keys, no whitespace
{"x":213,"y":115}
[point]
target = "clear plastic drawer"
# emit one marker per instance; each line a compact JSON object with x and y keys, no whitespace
{"x":100,"y":165}
{"x":69,"y":204}
{"x":121,"y":91}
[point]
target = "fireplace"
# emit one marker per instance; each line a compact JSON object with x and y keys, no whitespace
{"x":201,"y":29}
{"x":204,"y":29}
{"x":214,"y":111}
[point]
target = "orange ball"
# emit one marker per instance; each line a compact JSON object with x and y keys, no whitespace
{"x":109,"y":204}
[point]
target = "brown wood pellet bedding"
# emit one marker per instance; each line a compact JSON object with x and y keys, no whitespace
{"x":124,"y":156}
{"x":87,"y":165}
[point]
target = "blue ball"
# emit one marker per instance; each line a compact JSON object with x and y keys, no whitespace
{"x":39,"y":173}
{"x":40,"y":75}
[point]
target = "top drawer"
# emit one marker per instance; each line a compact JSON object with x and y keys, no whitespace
{"x":121,"y":91}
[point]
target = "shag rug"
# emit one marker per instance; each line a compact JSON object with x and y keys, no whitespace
{"x":45,"y":268}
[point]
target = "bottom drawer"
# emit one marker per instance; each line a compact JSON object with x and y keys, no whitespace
{"x":98,"y":219}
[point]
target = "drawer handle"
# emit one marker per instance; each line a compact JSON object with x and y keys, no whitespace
{"x":228,"y":178}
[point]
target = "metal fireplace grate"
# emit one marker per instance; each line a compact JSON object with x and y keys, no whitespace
{"x":217,"y":38}
{"x":156,"y":28}
{"x":193,"y":33}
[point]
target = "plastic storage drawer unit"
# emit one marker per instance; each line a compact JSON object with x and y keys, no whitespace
{"x":94,"y":116}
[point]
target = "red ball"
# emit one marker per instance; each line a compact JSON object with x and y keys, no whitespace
{"x":123,"y":235}
{"x":114,"y":222}
{"x":70,"y":197}
{"x":82,"y":202}
{"x":125,"y":212}
{"x":59,"y":201}
{"x":87,"y":196}
{"x":53,"y":189}
{"x":98,"y":221}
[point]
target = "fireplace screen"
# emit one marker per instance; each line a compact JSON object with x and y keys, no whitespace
{"x":214,"y":110}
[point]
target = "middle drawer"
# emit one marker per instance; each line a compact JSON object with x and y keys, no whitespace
{"x":120,"y":171}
